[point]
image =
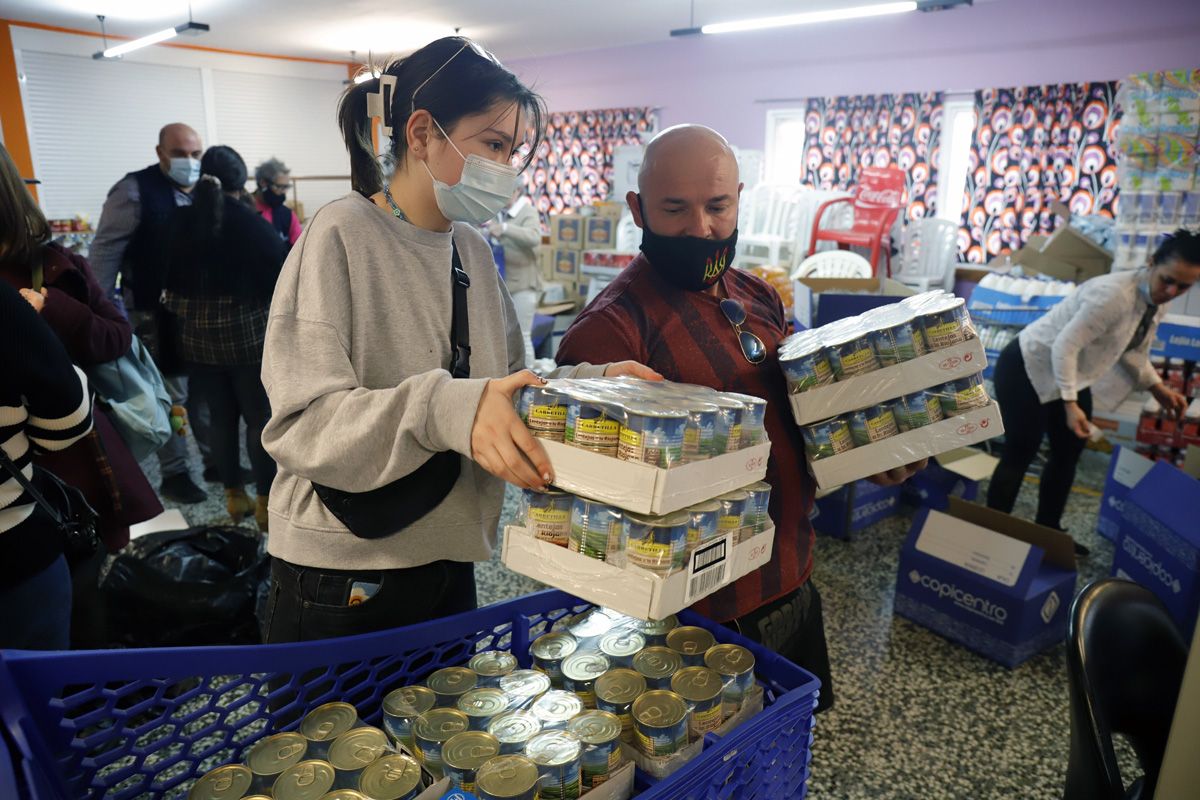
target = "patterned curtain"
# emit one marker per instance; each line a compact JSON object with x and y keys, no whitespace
{"x":573,"y":166}
{"x":844,"y":134}
{"x":1034,"y":145}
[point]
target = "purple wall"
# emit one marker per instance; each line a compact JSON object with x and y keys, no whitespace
{"x":724,"y":81}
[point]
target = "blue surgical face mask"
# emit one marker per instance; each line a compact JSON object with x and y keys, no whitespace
{"x":184,"y":171}
{"x":483,"y":191}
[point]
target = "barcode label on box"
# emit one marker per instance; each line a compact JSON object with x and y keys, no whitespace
{"x":709,"y":568}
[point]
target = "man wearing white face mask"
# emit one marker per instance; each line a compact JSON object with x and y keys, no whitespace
{"x":392,"y":357}
{"x":130,"y":242}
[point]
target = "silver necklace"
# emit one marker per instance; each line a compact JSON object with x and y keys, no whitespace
{"x":396,"y":212}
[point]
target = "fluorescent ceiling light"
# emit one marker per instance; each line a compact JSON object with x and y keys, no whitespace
{"x":189,"y":27}
{"x":811,"y":17}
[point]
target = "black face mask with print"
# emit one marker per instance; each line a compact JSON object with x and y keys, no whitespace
{"x":689,"y":262}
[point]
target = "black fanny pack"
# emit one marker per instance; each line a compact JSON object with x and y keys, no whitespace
{"x":393,"y":507}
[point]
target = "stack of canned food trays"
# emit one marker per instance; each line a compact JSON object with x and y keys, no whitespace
{"x":663,"y":425}
{"x":605,"y":690}
{"x":899,"y":383}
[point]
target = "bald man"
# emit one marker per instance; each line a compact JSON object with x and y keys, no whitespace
{"x":130,"y":242}
{"x":680,"y":310}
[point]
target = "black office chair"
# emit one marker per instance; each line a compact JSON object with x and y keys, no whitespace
{"x":1125,"y":661}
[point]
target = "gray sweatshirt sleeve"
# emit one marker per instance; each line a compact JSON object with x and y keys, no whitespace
{"x":118,"y":221}
{"x":325,"y":426}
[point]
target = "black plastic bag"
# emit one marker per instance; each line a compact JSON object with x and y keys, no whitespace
{"x":193,"y":587}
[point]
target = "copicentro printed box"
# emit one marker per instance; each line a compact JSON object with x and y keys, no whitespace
{"x":646,"y":489}
{"x":630,"y":590}
{"x":997,"y":585}
{"x":932,"y":369}
{"x":972,"y":427}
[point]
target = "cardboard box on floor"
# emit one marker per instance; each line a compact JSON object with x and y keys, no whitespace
{"x":953,"y":474}
{"x":844,"y":297}
{"x":1125,"y":471}
{"x":1159,"y":544}
{"x":993,"y":583}
{"x":1065,"y":254}
{"x":851,"y":508}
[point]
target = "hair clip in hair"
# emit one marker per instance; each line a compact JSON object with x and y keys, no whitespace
{"x":379,"y":104}
{"x":212,"y":179}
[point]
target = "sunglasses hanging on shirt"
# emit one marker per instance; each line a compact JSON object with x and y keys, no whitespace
{"x":752,"y":347}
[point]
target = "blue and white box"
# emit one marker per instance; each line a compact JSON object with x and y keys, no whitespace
{"x":851,"y":508}
{"x":1160,"y":541}
{"x":993,"y":583}
{"x":1124,"y":472}
{"x":953,"y":474}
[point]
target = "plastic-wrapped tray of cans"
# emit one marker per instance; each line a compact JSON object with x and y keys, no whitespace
{"x":647,"y":446}
{"x":894,"y":350}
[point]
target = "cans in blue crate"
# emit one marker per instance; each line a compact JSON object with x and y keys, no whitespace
{"x":393,"y":777}
{"x":735,"y":665}
{"x":580,"y":672}
{"x":308,"y":780}
{"x":548,"y":652}
{"x":451,"y":683}
{"x":615,"y":692}
{"x":482,"y":705}
{"x":656,"y":665}
{"x":324,"y":724}
{"x":431,"y":732}
{"x":702,"y":689}
{"x":271,"y":756}
{"x":230,"y":782}
{"x":559,"y":759}
{"x":354,"y":751}
{"x":509,"y":777}
{"x":491,"y":666}
{"x":620,"y":646}
{"x":600,"y":733}
{"x":556,"y":708}
{"x":401,"y":707}
{"x":463,"y":755}
{"x":514,"y":729}
{"x":691,"y":643}
{"x":660,"y":720}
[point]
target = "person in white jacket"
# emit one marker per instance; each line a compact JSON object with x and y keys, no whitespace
{"x":1043,"y":377}
{"x":518,"y":229}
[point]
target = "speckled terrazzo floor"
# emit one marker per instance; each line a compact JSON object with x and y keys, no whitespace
{"x":916,"y":716}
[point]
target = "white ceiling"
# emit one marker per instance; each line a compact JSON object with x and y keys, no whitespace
{"x":331,"y":28}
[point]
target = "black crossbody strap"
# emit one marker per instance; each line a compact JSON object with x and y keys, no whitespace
{"x":460,"y":323}
{"x":11,"y":468}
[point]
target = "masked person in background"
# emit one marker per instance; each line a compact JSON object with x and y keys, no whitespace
{"x":679,"y":309}
{"x":519,"y":231}
{"x":130,"y":242}
{"x":1043,"y":376}
{"x":393,"y":445}
{"x":274,"y":181}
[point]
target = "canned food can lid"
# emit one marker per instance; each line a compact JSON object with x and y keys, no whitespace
{"x":440,"y":724}
{"x":729,"y":659}
{"x":553,"y":646}
{"x":734,"y":496}
{"x":659,"y":709}
{"x":514,"y":726}
{"x":672,"y":520}
{"x":659,"y":627}
{"x":697,"y":684}
{"x":707,"y":507}
{"x":760,"y":486}
{"x":483,"y":702}
{"x":452,"y":680}
{"x":525,"y":683}
{"x":328,"y":722}
{"x":596,"y":727}
{"x":622,"y":643}
{"x":224,"y":783}
{"x":356,"y":748}
{"x":507,"y":776}
{"x":589,"y":623}
{"x":409,"y":701}
{"x":276,"y":753}
{"x":493,"y":663}
{"x":557,"y":706}
{"x":690,"y":640}
{"x":584,"y":666}
{"x":345,"y":794}
{"x":553,"y":748}
{"x":470,"y":750}
{"x":391,"y":777}
{"x":620,"y":686}
{"x":308,"y":780}
{"x":657,"y":662}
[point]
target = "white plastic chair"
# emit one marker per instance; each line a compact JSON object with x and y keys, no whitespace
{"x":629,"y":235}
{"x":928,"y":252}
{"x":833,"y":264}
{"x":769,"y":232}
{"x":835,"y":216}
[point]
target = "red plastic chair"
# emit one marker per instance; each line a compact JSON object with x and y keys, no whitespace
{"x":878,"y":199}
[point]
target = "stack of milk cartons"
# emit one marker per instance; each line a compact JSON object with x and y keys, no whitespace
{"x":890,"y":387}
{"x":658,"y":496}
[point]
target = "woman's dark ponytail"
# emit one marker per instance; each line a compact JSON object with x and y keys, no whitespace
{"x":208,"y":200}
{"x":366,"y":177}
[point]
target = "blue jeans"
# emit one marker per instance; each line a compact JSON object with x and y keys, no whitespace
{"x":173,"y":456}
{"x":36,"y":614}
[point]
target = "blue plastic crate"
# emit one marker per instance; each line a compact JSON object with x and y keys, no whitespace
{"x":125,"y":724}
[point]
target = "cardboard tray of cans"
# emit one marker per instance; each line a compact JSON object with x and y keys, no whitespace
{"x":637,"y":592}
{"x":885,"y":384}
{"x":970,"y":427}
{"x":647,"y":489}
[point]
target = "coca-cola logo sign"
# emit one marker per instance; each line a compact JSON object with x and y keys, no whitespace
{"x":879,"y":197}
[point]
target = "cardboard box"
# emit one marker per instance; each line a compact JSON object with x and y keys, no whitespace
{"x":975,"y":426}
{"x":1125,"y":471}
{"x":995,"y":584}
{"x":565,"y":264}
{"x":1159,"y":545}
{"x":1066,"y":254}
{"x":609,"y":209}
{"x":566,"y":231}
{"x":637,"y":592}
{"x":889,"y":383}
{"x":854,"y":507}
{"x":819,"y":301}
{"x":545,"y":257}
{"x":953,"y":474}
{"x":647,"y":489}
{"x":1120,"y":425}
{"x":600,"y":233}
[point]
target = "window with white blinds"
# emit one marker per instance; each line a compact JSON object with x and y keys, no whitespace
{"x":293,"y":119}
{"x":90,"y":122}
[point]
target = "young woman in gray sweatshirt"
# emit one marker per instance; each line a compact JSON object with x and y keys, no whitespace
{"x":358,"y":349}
